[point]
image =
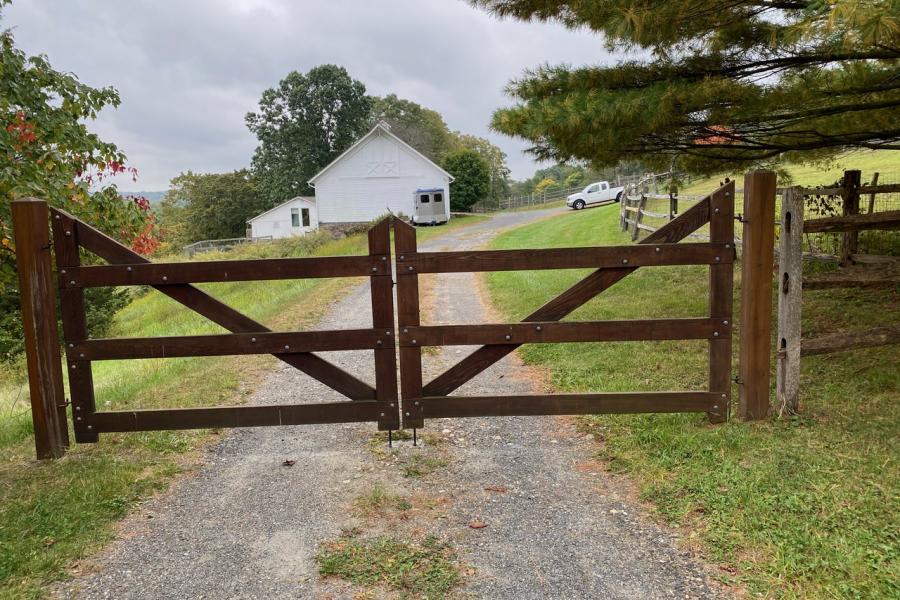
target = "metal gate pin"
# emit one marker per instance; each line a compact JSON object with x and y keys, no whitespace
{"x":71,"y":345}
{"x":390,"y":438}
{"x":128,"y":268}
{"x":717,"y":210}
{"x":414,"y":341}
{"x":624,"y":261}
{"x":89,"y":427}
{"x":415,"y":441}
{"x":253,"y":339}
{"x":387,"y":332}
{"x":715,"y":334}
{"x":62,"y":271}
{"x":73,"y":365}
{"x":286,"y":347}
{"x":68,"y":233}
{"x":379,"y":342}
{"x":383,"y":258}
{"x":417,"y":402}
{"x":374,"y":269}
{"x":724,"y":322}
{"x":723,"y":395}
{"x":409,"y":268}
{"x":56,"y":217}
{"x":405,"y":330}
{"x":658,"y":248}
{"x":77,"y":418}
{"x":382,"y":414}
{"x":407,"y":414}
{"x":718,"y":258}
{"x":538,"y":328}
{"x":81,"y":355}
{"x":72,"y":282}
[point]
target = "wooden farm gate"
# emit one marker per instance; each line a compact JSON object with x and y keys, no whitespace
{"x":380,"y":404}
{"x":612,"y":264}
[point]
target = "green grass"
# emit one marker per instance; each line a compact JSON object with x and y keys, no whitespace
{"x":54,"y":512}
{"x":428,"y":569}
{"x":886,"y":162}
{"x":805,"y":507}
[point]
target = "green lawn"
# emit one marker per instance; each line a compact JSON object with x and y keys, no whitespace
{"x":805,"y":507}
{"x":53,"y":512}
{"x":885,"y":162}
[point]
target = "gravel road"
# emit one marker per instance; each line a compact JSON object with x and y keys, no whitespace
{"x":244,"y":526}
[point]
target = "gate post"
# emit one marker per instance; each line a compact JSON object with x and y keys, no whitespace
{"x":31,"y":227}
{"x":756,"y":293}
{"x":382,"y":289}
{"x":790,"y":300}
{"x":850,"y":239}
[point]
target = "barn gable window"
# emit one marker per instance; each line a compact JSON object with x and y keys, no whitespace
{"x":295,"y":217}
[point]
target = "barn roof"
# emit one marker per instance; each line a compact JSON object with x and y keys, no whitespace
{"x":380,"y":128}
{"x":309,"y":199}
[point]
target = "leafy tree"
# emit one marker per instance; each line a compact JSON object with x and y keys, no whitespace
{"x":731,"y":84}
{"x":48,"y":152}
{"x":545,"y":185}
{"x":302,"y":125}
{"x":422,"y":128}
{"x":472,"y":178}
{"x":210,"y":206}
{"x":496,"y":160}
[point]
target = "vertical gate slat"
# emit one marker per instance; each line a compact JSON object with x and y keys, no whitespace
{"x":408,"y":316}
{"x":382,"y":288}
{"x":721,"y":284}
{"x":74,"y":322}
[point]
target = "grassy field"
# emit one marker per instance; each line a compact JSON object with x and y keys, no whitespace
{"x":885,"y":162}
{"x":54,"y":512}
{"x":805,"y":507}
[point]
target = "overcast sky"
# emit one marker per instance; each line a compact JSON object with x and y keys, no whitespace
{"x":189,"y":71}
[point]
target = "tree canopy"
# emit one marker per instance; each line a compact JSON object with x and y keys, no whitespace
{"x":302,"y":125}
{"x":48,"y":152}
{"x":472,"y":178}
{"x":422,"y":128}
{"x":210,"y":206}
{"x":731,"y":84}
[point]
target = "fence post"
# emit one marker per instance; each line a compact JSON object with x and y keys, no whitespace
{"x":31,"y":225}
{"x":850,"y":242}
{"x":872,"y":195}
{"x":790,"y":288}
{"x":756,"y":293}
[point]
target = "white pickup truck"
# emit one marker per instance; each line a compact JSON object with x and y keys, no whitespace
{"x":597,"y":192}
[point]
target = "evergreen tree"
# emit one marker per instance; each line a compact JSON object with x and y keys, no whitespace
{"x":731,"y":84}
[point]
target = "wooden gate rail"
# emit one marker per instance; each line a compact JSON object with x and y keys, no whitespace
{"x":615,"y":263}
{"x":248,"y":337}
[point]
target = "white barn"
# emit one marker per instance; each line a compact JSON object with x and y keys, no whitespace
{"x":379,"y":174}
{"x":297,"y":216}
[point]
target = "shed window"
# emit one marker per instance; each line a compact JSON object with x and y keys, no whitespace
{"x":295,"y":217}
{"x":424,"y":199}
{"x":305,"y":213}
{"x":438,"y":198}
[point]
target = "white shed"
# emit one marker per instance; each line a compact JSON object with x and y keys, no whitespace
{"x":379,"y":174}
{"x":297,"y":216}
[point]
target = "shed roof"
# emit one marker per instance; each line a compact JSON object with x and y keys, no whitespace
{"x":380,"y":128}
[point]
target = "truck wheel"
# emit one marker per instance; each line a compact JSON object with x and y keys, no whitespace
{"x":579,"y":204}
{"x":619,"y":197}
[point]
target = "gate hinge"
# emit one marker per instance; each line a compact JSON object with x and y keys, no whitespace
{"x":740,"y":218}
{"x":737,"y":379}
{"x":65,"y":403}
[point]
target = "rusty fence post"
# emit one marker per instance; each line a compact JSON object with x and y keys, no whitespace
{"x":38,"y":304}
{"x":756,"y":294}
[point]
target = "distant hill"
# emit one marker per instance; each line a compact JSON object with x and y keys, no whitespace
{"x":154,"y":197}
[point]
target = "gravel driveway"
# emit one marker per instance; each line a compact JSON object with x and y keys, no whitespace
{"x":557,"y":525}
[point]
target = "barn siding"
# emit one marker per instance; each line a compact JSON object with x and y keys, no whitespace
{"x":277,"y":223}
{"x":375,"y":178}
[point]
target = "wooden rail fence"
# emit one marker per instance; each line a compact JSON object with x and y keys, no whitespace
{"x":791,"y":282}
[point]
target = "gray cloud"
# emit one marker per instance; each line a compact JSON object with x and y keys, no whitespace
{"x":188,"y":71}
